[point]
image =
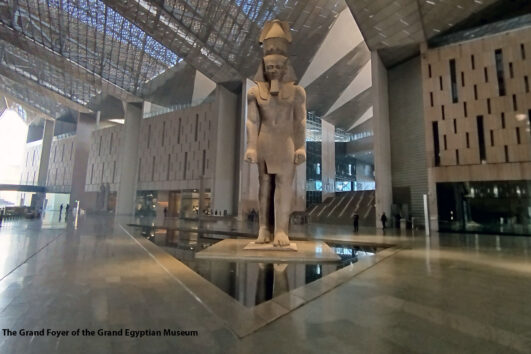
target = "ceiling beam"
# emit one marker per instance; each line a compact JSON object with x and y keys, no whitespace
{"x":21,"y":79}
{"x":77,"y":71}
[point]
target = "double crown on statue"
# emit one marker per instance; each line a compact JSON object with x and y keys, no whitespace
{"x":275,"y":37}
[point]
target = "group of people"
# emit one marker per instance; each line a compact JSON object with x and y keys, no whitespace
{"x":66,"y":211}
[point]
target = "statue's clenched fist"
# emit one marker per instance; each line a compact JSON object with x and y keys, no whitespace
{"x":300,"y":156}
{"x":250,"y":156}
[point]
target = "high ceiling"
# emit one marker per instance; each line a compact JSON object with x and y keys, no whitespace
{"x":66,"y":53}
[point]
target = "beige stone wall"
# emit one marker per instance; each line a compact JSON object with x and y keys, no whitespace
{"x":505,"y":118}
{"x":60,"y":167}
{"x":30,"y":170}
{"x":103,"y":162}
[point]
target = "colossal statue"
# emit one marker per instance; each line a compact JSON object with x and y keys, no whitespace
{"x":276,"y":128}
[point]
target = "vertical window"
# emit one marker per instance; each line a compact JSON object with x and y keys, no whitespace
{"x":499,"y":71}
{"x":455,"y":126}
{"x":110,"y":144}
{"x":204,"y":163}
{"x":511,"y":71}
{"x":481,"y":139}
{"x":196,"y":126}
{"x":185,"y":164}
{"x":99,"y":146}
{"x":179,"y":132}
{"x":453,"y":81}
{"x":436,"y":152}
{"x":473,"y":62}
{"x":462,"y":79}
{"x":464,"y":109}
{"x":475,"y":92}
{"x":54,"y":152}
{"x":102,"y":171}
{"x":440,"y":83}
{"x":429,"y":71}
{"x":522,"y":51}
{"x":491,"y":137}
{"x":515,"y":106}
{"x":139,"y":169}
{"x":63,"y":153}
{"x":71,"y":150}
{"x":91,"y":173}
{"x":168,"y":168}
{"x":467,"y":140}
{"x":442,"y":112}
{"x":163,"y":131}
{"x":486,"y":74}
{"x":149,"y":135}
{"x":444,"y":142}
{"x":153,"y":169}
{"x":488,"y":105}
{"x":431,"y":99}
{"x":526,"y":83}
{"x":113,"y":171}
{"x":506,"y":148}
{"x":457,"y":156}
{"x":503,"y":120}
{"x":518,"y":136}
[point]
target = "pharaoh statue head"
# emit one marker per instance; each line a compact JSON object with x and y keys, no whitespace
{"x":275,"y":66}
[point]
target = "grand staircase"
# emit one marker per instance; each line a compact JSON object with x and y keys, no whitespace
{"x":340,"y":209}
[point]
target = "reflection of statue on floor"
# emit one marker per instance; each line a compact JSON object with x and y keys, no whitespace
{"x":276,"y":127}
{"x":272,"y":281}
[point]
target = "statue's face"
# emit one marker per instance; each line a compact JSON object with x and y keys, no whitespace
{"x":275,"y":66}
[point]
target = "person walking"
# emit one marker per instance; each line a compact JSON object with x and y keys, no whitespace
{"x":60,"y":210}
{"x":383,"y":219}
{"x":356,"y":222}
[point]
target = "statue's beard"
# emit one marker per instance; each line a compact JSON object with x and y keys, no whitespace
{"x":274,"y":87}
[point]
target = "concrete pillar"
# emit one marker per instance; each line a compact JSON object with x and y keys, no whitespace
{"x":86,"y":124}
{"x":129,"y":159}
{"x":382,"y":139}
{"x":328,"y":159}
{"x":47,"y":138}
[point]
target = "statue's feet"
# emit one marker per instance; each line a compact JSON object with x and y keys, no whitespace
{"x":281,"y":239}
{"x":264,"y":235}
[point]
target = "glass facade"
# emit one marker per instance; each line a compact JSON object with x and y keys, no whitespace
{"x":502,"y":207}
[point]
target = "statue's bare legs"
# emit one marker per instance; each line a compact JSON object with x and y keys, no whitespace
{"x":265,"y":215}
{"x":283,"y":196}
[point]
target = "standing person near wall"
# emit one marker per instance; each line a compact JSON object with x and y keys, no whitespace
{"x":383,"y":220}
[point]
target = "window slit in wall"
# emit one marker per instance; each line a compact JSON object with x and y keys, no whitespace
{"x":204,"y":163}
{"x":511,"y":71}
{"x":526,"y":83}
{"x":99,"y":146}
{"x":110,"y":144}
{"x":102,"y":171}
{"x":515,"y":106}
{"x":455,"y":126}
{"x":185,"y":164}
{"x":486,"y":74}
{"x":63,"y":153}
{"x":442,"y":112}
{"x":491,"y":137}
{"x":113,"y":171}
{"x":444,"y":141}
{"x":179,"y":132}
{"x":429,"y":71}
{"x":499,"y":71}
{"x":522,"y":51}
{"x":168,"y":168}
{"x":435,"y":130}
{"x":453,"y":81}
{"x":431,"y":99}
{"x":440,"y":83}
{"x":506,"y":148}
{"x":457,"y":156}
{"x":153,"y":170}
{"x":473,"y":62}
{"x":467,"y":140}
{"x":149,"y":135}
{"x":503,"y":120}
{"x":488,"y":105}
{"x":518,"y":136}
{"x":481,"y":139}
{"x":91,"y":173}
{"x":465,"y":109}
{"x":475,"y":92}
{"x":462,"y":79}
{"x":139,"y":169}
{"x":163,"y":130}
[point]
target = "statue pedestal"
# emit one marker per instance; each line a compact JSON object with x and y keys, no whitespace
{"x":235,"y":250}
{"x":270,"y":247}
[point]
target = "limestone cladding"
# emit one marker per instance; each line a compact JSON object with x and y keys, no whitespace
{"x":59,"y":179}
{"x":177,"y":148}
{"x":103,"y":165}
{"x":477,"y":103}
{"x":30,"y":170}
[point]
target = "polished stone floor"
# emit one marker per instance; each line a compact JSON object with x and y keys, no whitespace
{"x":447,"y":293}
